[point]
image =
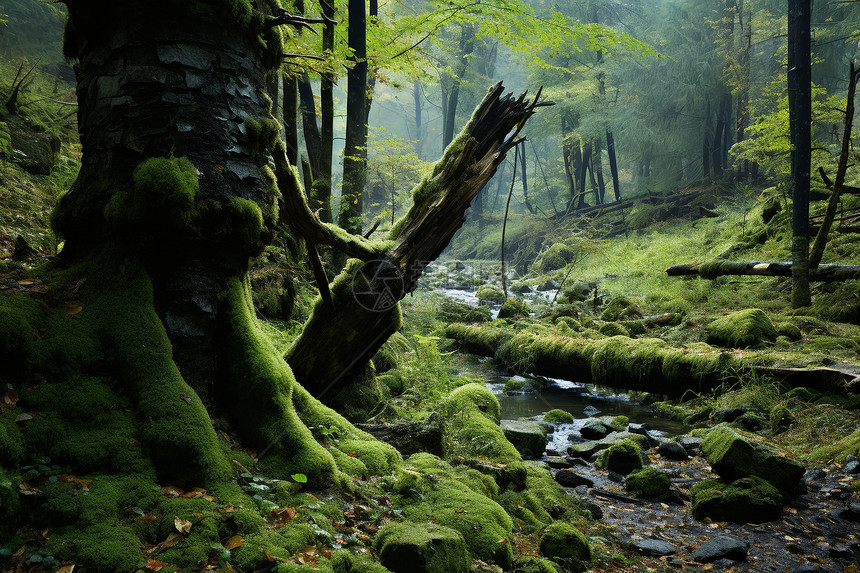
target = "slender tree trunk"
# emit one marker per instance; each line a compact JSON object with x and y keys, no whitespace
{"x":800,"y":121}
{"x":567,"y":159}
{"x":416,"y":97}
{"x":313,"y":138}
{"x":354,"y":172}
{"x":580,"y":167}
{"x":717,"y":145}
{"x":524,"y":178}
{"x":597,"y":163}
{"x":321,"y":191}
{"x":290,"y":117}
{"x":452,"y":97}
{"x":613,"y":165}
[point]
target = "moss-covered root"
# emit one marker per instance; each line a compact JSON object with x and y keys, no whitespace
{"x":178,"y":429}
{"x":267,"y":405}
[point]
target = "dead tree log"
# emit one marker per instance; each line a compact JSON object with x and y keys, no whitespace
{"x":714,"y":269}
{"x":338,"y":340}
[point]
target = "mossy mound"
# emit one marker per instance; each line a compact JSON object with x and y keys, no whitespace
{"x":557,"y":256}
{"x":513,"y":308}
{"x":647,"y":482}
{"x":451,"y":311}
{"x":746,"y":500}
{"x":732,"y":456}
{"x":613,"y":329}
{"x":422,"y":548}
{"x":563,"y":540}
{"x":620,"y":307}
{"x":558,"y":416}
{"x":532,"y":564}
{"x":429,"y":489}
{"x":490,"y":293}
{"x":471,"y":417}
{"x":741,"y":329}
{"x":391,"y":354}
{"x":623,"y":457}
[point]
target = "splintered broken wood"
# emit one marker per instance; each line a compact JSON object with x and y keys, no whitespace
{"x":713,"y":269}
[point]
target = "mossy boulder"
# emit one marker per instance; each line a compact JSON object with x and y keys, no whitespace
{"x":789,"y":330}
{"x":451,"y":311}
{"x":745,"y":500}
{"x":751,"y":421}
{"x":421,"y":548}
{"x":562,"y":540}
{"x":733,"y":456}
{"x":490,"y":293}
{"x":470,"y":427}
{"x":514,"y":308}
{"x":558,"y":416}
{"x":647,"y":482}
{"x":556,"y":257}
{"x":623,"y":457}
{"x":595,"y":429}
{"x":620,"y":307}
{"x":741,"y":329}
{"x":780,"y":418}
{"x":527,"y":436}
{"x":613,"y":329}
{"x":532,"y":564}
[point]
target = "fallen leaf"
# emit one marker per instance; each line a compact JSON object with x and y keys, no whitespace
{"x":84,"y":483}
{"x":228,"y":509}
{"x":147,"y":518}
{"x":23,"y":417}
{"x":74,"y":309}
{"x":155,"y":565}
{"x":135,"y":443}
{"x":233,"y":542}
{"x":182,"y":525}
{"x":171,"y":540}
{"x":66,"y":568}
{"x":849,"y":569}
{"x":10,"y":398}
{"x":171,"y":491}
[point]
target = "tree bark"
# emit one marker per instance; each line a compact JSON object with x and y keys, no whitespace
{"x":800,"y":122}
{"x":313,"y":138}
{"x":289,"y":111}
{"x":354,"y":168}
{"x":366,"y":294}
{"x":613,"y":165}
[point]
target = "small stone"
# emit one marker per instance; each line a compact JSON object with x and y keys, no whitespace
{"x":641,"y":429}
{"x":557,"y":462}
{"x":841,"y":552}
{"x":814,"y":475}
{"x":720,"y":547}
{"x":852,"y":467}
{"x":581,"y":490}
{"x":691,"y":444}
{"x":654,"y":547}
{"x":590,"y":411}
{"x":569,"y":478}
{"x":672,"y":450}
{"x":595,"y":430}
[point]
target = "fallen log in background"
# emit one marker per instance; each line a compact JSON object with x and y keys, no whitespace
{"x":714,"y":269}
{"x":644,"y":364}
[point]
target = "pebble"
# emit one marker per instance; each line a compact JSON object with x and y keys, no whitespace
{"x":672,"y":450}
{"x":852,"y":467}
{"x":569,"y":478}
{"x":691,"y":444}
{"x":654,"y":547}
{"x":720,"y":547}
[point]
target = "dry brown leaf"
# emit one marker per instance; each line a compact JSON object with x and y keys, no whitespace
{"x":84,"y":483}
{"x":66,"y":568}
{"x":155,"y":565}
{"x":182,"y":525}
{"x":171,"y":540}
{"x":228,"y":509}
{"x":196,"y":492}
{"x":74,"y":309}
{"x":233,"y":542}
{"x":10,"y":398}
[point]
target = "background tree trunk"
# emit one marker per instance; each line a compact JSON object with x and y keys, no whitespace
{"x":800,"y":121}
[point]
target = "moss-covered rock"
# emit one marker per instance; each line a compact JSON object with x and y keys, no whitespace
{"x":421,"y":548}
{"x":556,"y":257}
{"x":451,"y":311}
{"x":620,"y":307}
{"x":563,"y":540}
{"x":533,"y":564}
{"x":789,"y":330}
{"x":513,"y":308}
{"x":647,"y":482}
{"x":613,"y":329}
{"x":490,"y":293}
{"x":741,"y":329}
{"x":429,"y":489}
{"x":732,"y":456}
{"x":751,"y":421}
{"x":746,"y":500}
{"x":528,"y":437}
{"x":623,"y":457}
{"x":471,"y":417}
{"x":780,"y":418}
{"x":558,"y":416}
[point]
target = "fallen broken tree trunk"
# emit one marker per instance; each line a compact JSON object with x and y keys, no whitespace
{"x":714,"y":269}
{"x":644,"y":364}
{"x":340,"y":337}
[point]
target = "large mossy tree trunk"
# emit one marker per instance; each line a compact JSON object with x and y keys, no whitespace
{"x":173,"y":198}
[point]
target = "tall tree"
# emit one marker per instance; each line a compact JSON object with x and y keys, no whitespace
{"x":354,"y":158}
{"x":800,"y":124}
